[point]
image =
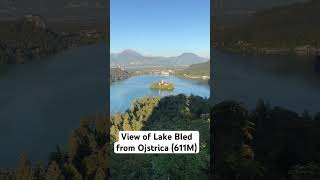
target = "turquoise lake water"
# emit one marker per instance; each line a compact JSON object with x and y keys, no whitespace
{"x":123,"y":93}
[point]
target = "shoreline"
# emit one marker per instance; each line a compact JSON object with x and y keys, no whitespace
{"x":269,"y":52}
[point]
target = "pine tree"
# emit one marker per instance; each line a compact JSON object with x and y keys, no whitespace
{"x":126,"y":123}
{"x":114,"y":131}
{"x":101,"y":123}
{"x":24,"y":170}
{"x":39,"y":172}
{"x":54,"y":172}
{"x":73,"y":147}
{"x":100,"y":174}
{"x":117,"y":119}
{"x":72,"y":172}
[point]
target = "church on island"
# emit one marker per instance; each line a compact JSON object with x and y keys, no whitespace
{"x":162,"y":83}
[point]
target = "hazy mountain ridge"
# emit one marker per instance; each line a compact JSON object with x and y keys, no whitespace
{"x":130,"y":58}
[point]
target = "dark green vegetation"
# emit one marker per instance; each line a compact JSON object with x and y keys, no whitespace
{"x":30,"y":38}
{"x":118,"y":74}
{"x":169,"y":113}
{"x":266,"y":143}
{"x":162,"y":86}
{"x":86,"y":156}
{"x":196,"y":71}
{"x":281,"y":30}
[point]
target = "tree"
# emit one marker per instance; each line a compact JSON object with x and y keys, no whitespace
{"x":114,"y":132}
{"x":101,"y":123}
{"x":71,"y":172}
{"x":309,"y":171}
{"x":117,"y":119}
{"x":243,"y":165}
{"x":73,"y":147}
{"x":168,"y":113}
{"x":54,"y":172}
{"x":24,"y":170}
{"x":126,"y":123}
{"x":100,"y":174}
{"x":39,"y":172}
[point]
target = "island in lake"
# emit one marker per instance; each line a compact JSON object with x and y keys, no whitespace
{"x":162,"y":85}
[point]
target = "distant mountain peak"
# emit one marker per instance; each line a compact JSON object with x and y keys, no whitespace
{"x":131,"y":53}
{"x":188,"y":54}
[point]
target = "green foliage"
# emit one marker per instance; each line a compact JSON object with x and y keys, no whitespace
{"x":118,"y":74}
{"x":71,"y":172}
{"x":309,"y":171}
{"x":195,"y":71}
{"x":29,"y":38}
{"x":87,"y":156}
{"x":6,"y":174}
{"x":134,"y":118}
{"x":54,"y":172}
{"x":38,"y":172}
{"x":100,"y":174}
{"x":242,"y":164}
{"x":278,"y":29}
{"x":160,"y":86}
{"x":262,"y":144}
{"x":169,"y":113}
{"x":126,"y":123}
{"x":266,"y":143}
{"x":24,"y":169}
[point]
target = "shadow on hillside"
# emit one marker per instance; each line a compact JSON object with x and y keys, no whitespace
{"x":178,"y":112}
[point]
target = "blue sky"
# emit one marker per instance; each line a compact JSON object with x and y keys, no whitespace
{"x":160,"y":27}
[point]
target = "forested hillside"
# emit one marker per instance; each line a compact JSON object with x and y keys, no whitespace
{"x":265,"y":143}
{"x":170,"y":113}
{"x":285,"y":29}
{"x":196,"y":71}
{"x":118,"y":74}
{"x":30,"y":38}
{"x":87,"y":154}
{"x":85,"y":157}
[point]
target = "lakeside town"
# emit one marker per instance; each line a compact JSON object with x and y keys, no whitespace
{"x":246,"y":47}
{"x":120,"y":73}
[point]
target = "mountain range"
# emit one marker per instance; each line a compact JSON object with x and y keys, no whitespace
{"x":133,"y":59}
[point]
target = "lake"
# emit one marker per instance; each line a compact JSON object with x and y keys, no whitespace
{"x":41,"y":102}
{"x":287,"y":81}
{"x":123,"y":93}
